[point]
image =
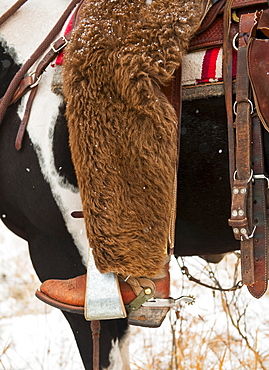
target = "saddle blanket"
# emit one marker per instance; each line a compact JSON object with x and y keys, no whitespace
{"x":201,"y":70}
{"x":204,"y":66}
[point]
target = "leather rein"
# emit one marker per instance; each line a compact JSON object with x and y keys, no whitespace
{"x":11,"y":11}
{"x":19,"y":85}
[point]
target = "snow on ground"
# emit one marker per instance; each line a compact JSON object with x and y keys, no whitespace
{"x":32,"y":334}
{"x":36,"y":336}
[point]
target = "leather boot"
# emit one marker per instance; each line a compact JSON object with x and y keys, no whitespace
{"x":69,"y":295}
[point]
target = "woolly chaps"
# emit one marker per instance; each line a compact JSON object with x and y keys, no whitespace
{"x":123,"y":131}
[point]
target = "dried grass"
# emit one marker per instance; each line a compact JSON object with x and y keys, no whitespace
{"x":225,"y":334}
{"x":221,"y":331}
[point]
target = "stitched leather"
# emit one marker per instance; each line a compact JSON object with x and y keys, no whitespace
{"x":260,"y":240}
{"x":212,"y":26}
{"x":258,"y":50}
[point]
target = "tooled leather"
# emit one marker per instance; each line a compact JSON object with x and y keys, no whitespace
{"x":213,"y":35}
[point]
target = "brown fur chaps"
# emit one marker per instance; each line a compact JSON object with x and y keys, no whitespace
{"x":123,"y":131}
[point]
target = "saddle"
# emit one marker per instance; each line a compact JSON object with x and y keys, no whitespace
{"x":223,"y":24}
{"x":241,"y":28}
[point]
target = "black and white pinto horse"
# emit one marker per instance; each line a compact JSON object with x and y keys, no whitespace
{"x":38,"y":188}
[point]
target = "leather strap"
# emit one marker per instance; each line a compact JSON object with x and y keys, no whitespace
{"x":96,"y":330}
{"x":260,"y":239}
{"x":248,"y":210}
{"x":143,"y":288}
{"x":241,"y":209}
{"x":258,"y":50}
{"x":228,"y":83}
{"x":57,"y":46}
{"x":24,"y":86}
{"x":5,"y":100}
{"x":11,"y":11}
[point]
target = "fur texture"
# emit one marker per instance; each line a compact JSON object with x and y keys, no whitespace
{"x":123,"y":131}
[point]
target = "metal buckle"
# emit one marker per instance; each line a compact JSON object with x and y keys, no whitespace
{"x":234,"y":40}
{"x":251,"y":106}
{"x":34,"y":84}
{"x":262,"y":177}
{"x":250,"y":177}
{"x":61,"y":46}
{"x":244,"y":234}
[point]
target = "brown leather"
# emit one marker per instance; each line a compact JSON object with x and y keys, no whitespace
{"x":212,"y":36}
{"x":239,"y":208}
{"x":258,"y":65}
{"x":69,"y":295}
{"x":210,"y":17}
{"x":96,"y":330}
{"x":5,"y":100}
{"x":24,"y":121}
{"x":227,"y":68}
{"x":58,"y":45}
{"x":212,"y":26}
{"x":248,"y":210}
{"x":23,"y":88}
{"x":260,"y":239}
{"x":71,"y":291}
{"x":243,"y":151}
{"x":11,"y":11}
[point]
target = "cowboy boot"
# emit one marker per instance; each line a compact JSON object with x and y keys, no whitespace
{"x":69,"y":295}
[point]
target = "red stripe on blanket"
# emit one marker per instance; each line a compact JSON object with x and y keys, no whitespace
{"x":59,"y":59}
{"x":209,"y":66}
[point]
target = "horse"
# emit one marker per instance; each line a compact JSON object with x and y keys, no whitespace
{"x":51,"y":246}
{"x":39,"y":190}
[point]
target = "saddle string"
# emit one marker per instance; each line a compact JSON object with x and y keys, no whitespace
{"x":5,"y":100}
{"x":11,"y":11}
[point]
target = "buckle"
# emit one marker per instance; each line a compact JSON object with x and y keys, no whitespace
{"x":62,"y":43}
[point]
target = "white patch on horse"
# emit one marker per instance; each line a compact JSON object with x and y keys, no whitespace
{"x":40,"y":129}
{"x":119,"y":354}
{"x":34,"y":20}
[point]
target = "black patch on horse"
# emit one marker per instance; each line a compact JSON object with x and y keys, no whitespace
{"x":8,"y":68}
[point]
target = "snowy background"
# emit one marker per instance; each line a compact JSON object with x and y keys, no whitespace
{"x":202,"y":336}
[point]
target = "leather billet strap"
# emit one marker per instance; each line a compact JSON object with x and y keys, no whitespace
{"x":241,"y":208}
{"x":260,"y":188}
{"x":248,"y":209}
{"x":242,"y":185}
{"x":257,"y":58}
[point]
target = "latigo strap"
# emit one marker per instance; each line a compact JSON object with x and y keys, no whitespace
{"x":248,"y":209}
